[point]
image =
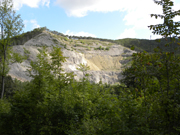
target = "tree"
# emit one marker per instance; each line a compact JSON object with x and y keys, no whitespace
{"x":11,"y":25}
{"x":169,"y":27}
{"x":168,"y":77}
{"x":83,"y":67}
{"x":154,"y":78}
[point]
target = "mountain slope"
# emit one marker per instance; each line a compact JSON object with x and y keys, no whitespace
{"x":105,"y":59}
{"x":147,"y":45}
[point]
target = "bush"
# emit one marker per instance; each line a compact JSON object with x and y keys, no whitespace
{"x":107,"y":48}
{"x":101,"y":48}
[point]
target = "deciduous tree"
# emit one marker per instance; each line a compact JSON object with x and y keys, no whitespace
{"x":169,"y":28}
{"x":11,"y":25}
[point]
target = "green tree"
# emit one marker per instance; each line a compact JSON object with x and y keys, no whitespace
{"x":154,"y":78}
{"x":169,"y":75}
{"x":11,"y":25}
{"x":38,"y":107}
{"x":169,"y":27}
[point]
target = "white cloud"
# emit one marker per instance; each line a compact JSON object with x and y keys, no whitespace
{"x":46,"y":2}
{"x":137,"y":12}
{"x":31,"y":3}
{"x":128,"y":33}
{"x":82,"y":33}
{"x":136,"y":33}
{"x":31,"y":23}
{"x":79,"y":8}
{"x":25,"y":23}
{"x":34,"y":24}
{"x":177,"y":7}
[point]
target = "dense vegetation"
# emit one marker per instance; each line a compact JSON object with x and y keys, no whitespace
{"x":147,"y":102}
{"x":24,"y":37}
{"x":147,"y":45}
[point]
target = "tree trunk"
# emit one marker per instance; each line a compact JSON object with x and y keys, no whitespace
{"x":2,"y":87}
{"x":3,"y":77}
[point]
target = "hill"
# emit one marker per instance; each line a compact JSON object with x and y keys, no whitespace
{"x":147,"y":45}
{"x":106,"y":58}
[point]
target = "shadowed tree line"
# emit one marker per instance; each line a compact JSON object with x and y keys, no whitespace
{"x":148,"y":45}
{"x":24,"y":37}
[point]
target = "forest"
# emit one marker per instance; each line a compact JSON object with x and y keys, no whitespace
{"x":146,"y":102}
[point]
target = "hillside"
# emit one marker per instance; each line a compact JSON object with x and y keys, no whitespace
{"x":147,"y":45}
{"x":105,"y":59}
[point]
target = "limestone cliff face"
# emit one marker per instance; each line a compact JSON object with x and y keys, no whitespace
{"x":105,"y":65}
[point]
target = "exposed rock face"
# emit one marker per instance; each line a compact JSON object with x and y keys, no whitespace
{"x":105,"y":65}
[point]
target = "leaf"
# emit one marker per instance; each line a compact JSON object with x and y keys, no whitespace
{"x":166,"y":44}
{"x":83,"y":67}
{"x":171,"y":4}
{"x":176,"y":48}
{"x":158,"y":40}
{"x":134,"y":54}
{"x":156,"y":49}
{"x":132,"y":47}
{"x":144,"y":51}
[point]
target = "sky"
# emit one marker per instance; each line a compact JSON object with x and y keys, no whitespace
{"x":108,"y":19}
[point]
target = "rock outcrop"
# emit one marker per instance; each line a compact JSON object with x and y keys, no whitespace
{"x":105,"y":65}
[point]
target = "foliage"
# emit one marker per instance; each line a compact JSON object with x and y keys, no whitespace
{"x":24,"y":37}
{"x":169,"y":27}
{"x":83,"y":67}
{"x":101,"y":48}
{"x":148,"y":45}
{"x":10,"y":86}
{"x":145,"y":103}
{"x":155,"y":79}
{"x":11,"y":25}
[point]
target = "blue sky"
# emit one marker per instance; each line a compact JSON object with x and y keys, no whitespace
{"x":110,"y":19}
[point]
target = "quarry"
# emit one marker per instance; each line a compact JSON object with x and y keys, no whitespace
{"x":105,"y":59}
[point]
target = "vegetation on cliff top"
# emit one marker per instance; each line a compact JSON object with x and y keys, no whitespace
{"x":86,"y":42}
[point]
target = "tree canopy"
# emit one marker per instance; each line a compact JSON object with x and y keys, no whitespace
{"x":11,"y":25}
{"x":147,"y":102}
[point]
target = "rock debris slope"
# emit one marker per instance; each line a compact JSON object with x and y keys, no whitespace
{"x":105,"y":64}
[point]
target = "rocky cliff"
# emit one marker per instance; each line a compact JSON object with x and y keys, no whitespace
{"x":105,"y":59}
